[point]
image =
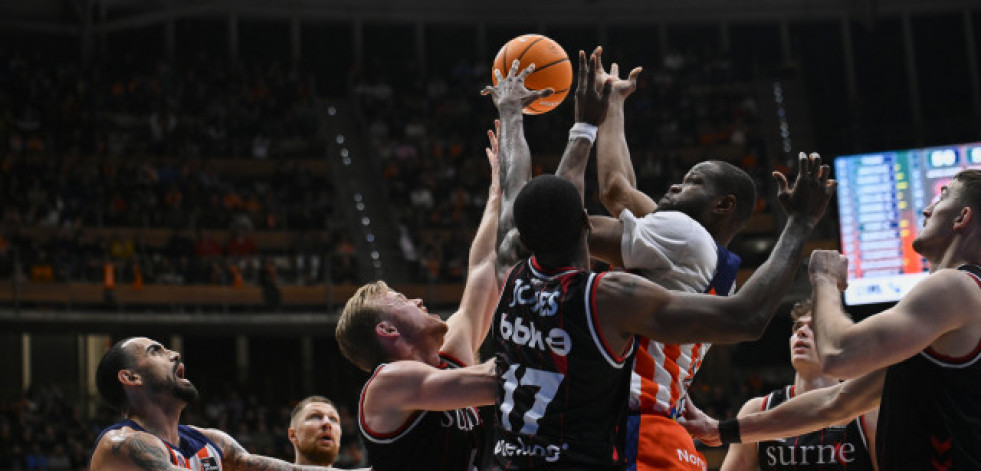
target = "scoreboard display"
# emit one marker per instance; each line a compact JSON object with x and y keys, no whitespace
{"x":881,"y":197}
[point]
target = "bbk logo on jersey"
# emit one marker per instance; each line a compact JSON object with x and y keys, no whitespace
{"x":526,"y":334}
{"x":543,"y":303}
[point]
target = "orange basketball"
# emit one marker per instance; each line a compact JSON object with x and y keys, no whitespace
{"x":552,"y":68}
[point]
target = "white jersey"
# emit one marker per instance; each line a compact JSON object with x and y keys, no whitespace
{"x":675,"y":251}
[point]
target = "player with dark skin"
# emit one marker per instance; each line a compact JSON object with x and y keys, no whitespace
{"x":627,"y":304}
{"x":151,"y":390}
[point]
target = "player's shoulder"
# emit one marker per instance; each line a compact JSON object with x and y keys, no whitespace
{"x":124,"y":447}
{"x":949,"y":285}
{"x":753,"y":405}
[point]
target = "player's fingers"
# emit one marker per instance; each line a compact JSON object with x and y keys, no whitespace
{"x":591,"y":70}
{"x":514,"y":68}
{"x":607,"y":88}
{"x":825,"y":173}
{"x":634,"y":73}
{"x":615,"y":70}
{"x":831,"y":186}
{"x":545,"y":92}
{"x":782,"y":185}
{"x":803,"y":165}
{"x":528,"y":70}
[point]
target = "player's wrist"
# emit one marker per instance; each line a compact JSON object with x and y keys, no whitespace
{"x":729,"y":431}
{"x":582,"y":130}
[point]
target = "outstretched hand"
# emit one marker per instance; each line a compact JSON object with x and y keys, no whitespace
{"x":591,"y":98}
{"x":622,"y":88}
{"x":812,"y":189}
{"x":492,"y":153}
{"x":510,"y":91}
{"x":700,"y":425}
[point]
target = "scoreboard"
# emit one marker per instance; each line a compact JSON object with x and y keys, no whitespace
{"x":881,"y":197}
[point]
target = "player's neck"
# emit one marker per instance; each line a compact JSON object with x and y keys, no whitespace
{"x":303,"y":460}
{"x":160,"y":420}
{"x":962,"y":249}
{"x":809,"y":382}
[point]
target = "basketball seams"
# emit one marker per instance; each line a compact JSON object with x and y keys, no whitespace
{"x":522,"y":55}
{"x":548,"y":51}
{"x":537,"y":69}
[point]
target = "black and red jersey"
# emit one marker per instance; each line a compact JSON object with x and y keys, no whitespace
{"x":429,"y":440}
{"x":836,"y":448}
{"x":562,"y":394}
{"x":930,"y":414}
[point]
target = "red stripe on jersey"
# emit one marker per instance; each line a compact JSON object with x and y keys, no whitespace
{"x":618,"y":357}
{"x":644,"y":367}
{"x":453,"y":359}
{"x":671,"y":354}
{"x":975,"y":277}
{"x":696,"y":360}
{"x":364,"y":424}
{"x":203,"y":453}
{"x":954,"y":360}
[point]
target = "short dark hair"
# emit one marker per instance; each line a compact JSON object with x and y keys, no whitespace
{"x":307,"y":400}
{"x":971,"y":188}
{"x":732,"y":180}
{"x":548,"y":213}
{"x":106,"y":375}
{"x":801,"y":309}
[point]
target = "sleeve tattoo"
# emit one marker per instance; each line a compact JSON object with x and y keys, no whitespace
{"x":143,"y":454}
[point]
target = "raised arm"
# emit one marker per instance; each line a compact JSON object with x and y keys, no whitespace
{"x":934,"y":307}
{"x":591,"y":104}
{"x":631,"y":305}
{"x":617,"y":182}
{"x":510,"y":96}
{"x":469,"y":325}
{"x":804,"y":413}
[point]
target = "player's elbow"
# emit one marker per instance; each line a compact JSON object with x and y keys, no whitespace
{"x":612,"y":195}
{"x":749,"y":331}
{"x":748,"y":321}
{"x":836,"y":365}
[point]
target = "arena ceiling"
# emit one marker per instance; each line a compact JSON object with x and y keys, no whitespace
{"x":71,"y":16}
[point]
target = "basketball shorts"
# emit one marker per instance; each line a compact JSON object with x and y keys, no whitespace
{"x":656,"y":442}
